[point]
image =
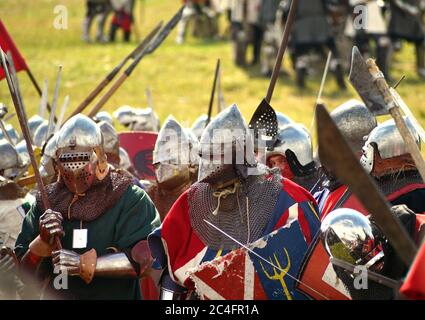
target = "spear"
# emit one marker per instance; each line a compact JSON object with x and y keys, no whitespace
{"x":153,"y":45}
{"x":19,"y":107}
{"x":282,"y":49}
{"x":43,"y":100}
{"x":217,"y":70}
{"x":115,"y":71}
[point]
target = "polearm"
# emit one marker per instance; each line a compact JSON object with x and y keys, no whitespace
{"x":210,"y":106}
{"x":394,"y":110}
{"x":43,"y":100}
{"x":115,"y":71}
{"x":37,"y":87}
{"x":19,"y":107}
{"x":282,"y":49}
{"x":54,"y":103}
{"x":336,"y":154}
{"x":153,"y":45}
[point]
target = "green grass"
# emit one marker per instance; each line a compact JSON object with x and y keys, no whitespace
{"x":180,"y":77}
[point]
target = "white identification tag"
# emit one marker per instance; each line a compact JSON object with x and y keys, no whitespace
{"x":79,"y":239}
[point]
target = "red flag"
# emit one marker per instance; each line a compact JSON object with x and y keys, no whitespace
{"x":7,"y":44}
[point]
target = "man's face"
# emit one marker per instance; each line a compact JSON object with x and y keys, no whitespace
{"x":279,"y":161}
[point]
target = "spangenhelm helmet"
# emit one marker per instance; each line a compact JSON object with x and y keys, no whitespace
{"x":146,"y":120}
{"x":355,"y":122}
{"x":104,"y":116}
{"x":226,"y":149}
{"x":199,"y":125}
{"x":33,"y":123}
{"x":385,"y":152}
{"x":80,"y":154}
{"x":40,"y":135}
{"x":283,"y":119}
{"x":111,"y":144}
{"x":48,"y":164}
{"x":125,"y":115}
{"x":171,"y":156}
{"x":125,"y":162}
{"x":9,"y":160}
{"x":11,"y":132}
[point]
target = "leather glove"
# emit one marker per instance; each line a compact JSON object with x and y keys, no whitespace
{"x":51,"y":226}
{"x":74,"y":264}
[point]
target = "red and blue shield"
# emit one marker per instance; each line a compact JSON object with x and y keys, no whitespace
{"x":243,"y":275}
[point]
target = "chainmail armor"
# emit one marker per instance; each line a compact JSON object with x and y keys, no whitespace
{"x":101,"y":197}
{"x":394,"y":182}
{"x":262,"y":192}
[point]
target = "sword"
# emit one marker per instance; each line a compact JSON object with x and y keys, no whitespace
{"x":336,"y":154}
{"x":152,"y":46}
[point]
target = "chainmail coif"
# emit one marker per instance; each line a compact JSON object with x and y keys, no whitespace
{"x":101,"y":197}
{"x":262,"y":192}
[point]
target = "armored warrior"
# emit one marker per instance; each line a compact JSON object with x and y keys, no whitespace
{"x":355,"y":239}
{"x":244,"y":199}
{"x":173,"y":166}
{"x":368,"y":25}
{"x":98,"y":215}
{"x":355,"y":122}
{"x":199,"y":125}
{"x":293,"y":155}
{"x":406,"y":23}
{"x":386,"y":158}
{"x":312,"y":31}
{"x":138,"y":119}
{"x":12,"y":200}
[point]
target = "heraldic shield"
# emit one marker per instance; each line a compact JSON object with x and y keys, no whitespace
{"x":139,"y":146}
{"x":243,"y":275}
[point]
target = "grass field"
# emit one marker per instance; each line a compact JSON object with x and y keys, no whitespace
{"x":179,"y":77}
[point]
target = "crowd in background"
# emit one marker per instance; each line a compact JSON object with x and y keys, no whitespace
{"x":377,"y":27}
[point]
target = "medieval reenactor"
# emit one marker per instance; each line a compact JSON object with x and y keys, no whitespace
{"x":199,"y":125}
{"x":173,"y":166}
{"x":246,"y":29}
{"x":350,"y":236}
{"x":244,"y":199}
{"x":13,"y":201}
{"x":283,"y":120}
{"x":101,"y":9}
{"x":272,"y":19}
{"x":367,"y":26}
{"x":355,"y":122}
{"x":386,"y":158}
{"x":100,"y":218}
{"x":312,"y":31}
{"x":138,"y":119}
{"x":122,"y":18}
{"x":292,"y":153}
{"x":406,"y":23}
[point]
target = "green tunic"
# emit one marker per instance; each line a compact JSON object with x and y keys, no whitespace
{"x":131,"y":219}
